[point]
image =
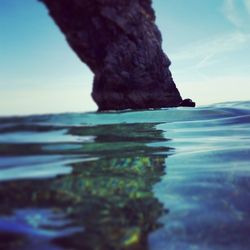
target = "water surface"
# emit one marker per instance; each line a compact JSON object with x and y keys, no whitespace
{"x":158,"y":179}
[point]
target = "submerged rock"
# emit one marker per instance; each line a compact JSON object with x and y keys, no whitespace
{"x":107,"y":200}
{"x":121,"y":44}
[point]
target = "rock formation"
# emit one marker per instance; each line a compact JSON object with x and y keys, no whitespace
{"x":121,"y":44}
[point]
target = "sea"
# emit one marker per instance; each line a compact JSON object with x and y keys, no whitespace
{"x":167,"y":179}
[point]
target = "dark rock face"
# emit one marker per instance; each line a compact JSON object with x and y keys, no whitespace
{"x":119,"y":41}
{"x":187,"y":103}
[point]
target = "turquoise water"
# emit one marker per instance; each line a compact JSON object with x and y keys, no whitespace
{"x":158,"y":179}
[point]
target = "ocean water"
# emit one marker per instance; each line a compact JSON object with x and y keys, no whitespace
{"x":157,"y":179}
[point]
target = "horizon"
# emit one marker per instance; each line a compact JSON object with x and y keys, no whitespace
{"x":206,"y":42}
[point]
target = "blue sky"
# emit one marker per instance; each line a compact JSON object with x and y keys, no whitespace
{"x":208,"y":43}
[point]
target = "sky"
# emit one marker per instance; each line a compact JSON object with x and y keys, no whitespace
{"x":207,"y":41}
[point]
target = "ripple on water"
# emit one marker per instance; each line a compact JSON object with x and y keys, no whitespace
{"x":163,"y":179}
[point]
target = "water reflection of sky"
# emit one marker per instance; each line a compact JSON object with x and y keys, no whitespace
{"x":38,"y":226}
{"x":162,"y":185}
{"x":206,"y":188}
{"x":43,"y":137}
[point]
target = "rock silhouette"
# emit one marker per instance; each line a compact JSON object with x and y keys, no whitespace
{"x":121,"y":44}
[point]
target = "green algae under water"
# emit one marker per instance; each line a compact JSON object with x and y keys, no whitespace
{"x":159,"y":179}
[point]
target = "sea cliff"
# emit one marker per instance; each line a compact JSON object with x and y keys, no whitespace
{"x":121,"y":44}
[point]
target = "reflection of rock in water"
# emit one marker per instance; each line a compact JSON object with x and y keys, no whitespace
{"x":111,"y":198}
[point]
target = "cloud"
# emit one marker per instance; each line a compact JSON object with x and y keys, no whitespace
{"x":208,"y":51}
{"x":235,"y":14}
{"x":247,"y":5}
{"x":231,"y":13}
